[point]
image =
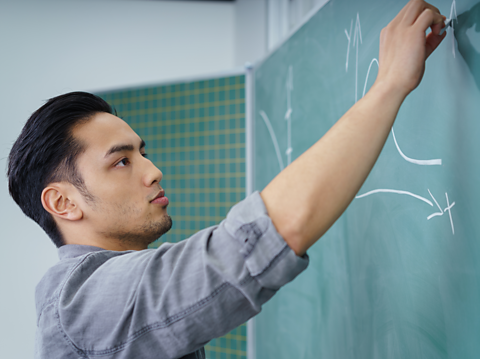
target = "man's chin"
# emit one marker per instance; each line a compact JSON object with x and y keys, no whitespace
{"x":144,"y":235}
{"x":157,"y":229}
{"x":164,"y":228}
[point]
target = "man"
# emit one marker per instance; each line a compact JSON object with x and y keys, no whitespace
{"x":82,"y":174}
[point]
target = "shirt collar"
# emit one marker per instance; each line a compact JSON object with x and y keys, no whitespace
{"x":76,"y":250}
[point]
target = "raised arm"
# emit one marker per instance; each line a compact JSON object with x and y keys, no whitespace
{"x":306,"y":198}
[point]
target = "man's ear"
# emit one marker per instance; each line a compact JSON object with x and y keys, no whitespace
{"x":57,"y":200}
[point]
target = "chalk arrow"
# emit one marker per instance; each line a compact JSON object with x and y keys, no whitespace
{"x":358,"y":31}
{"x":440,"y":208}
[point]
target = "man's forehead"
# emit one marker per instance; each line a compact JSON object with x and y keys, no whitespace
{"x":104,"y":130}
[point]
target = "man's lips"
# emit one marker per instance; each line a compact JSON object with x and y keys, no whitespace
{"x":160,"y":199}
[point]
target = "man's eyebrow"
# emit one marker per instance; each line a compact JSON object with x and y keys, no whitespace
{"x":123,"y":147}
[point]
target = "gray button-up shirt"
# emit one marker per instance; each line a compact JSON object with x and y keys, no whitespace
{"x":166,"y":302}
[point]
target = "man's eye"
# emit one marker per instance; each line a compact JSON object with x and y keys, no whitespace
{"x":123,"y":162}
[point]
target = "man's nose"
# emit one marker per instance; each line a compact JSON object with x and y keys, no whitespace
{"x":152,"y":173}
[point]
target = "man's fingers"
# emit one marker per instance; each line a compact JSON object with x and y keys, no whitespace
{"x":427,"y":19}
{"x":432,"y":42}
{"x":437,"y":28}
{"x":401,"y":15}
{"x":415,"y":8}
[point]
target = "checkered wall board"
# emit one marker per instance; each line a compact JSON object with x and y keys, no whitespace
{"x":195,"y":134}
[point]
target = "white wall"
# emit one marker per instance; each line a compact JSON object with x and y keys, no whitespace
{"x":250,"y":31}
{"x":48,"y":48}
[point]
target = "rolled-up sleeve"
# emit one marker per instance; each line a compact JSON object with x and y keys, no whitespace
{"x":173,"y":300}
{"x":267,"y":256}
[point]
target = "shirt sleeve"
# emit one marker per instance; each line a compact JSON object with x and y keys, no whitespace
{"x":173,"y":300}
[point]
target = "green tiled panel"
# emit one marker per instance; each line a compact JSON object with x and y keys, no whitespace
{"x":195,"y":134}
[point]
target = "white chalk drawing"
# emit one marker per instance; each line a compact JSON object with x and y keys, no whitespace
{"x":412,"y":160}
{"x":453,"y":17}
{"x":442,"y":212}
{"x":382,"y":190}
{"x":349,"y":37}
{"x":449,"y":209}
{"x":274,"y":139}
{"x":440,"y":208}
{"x":417,"y":162}
{"x":357,"y":40}
{"x":357,"y":36}
{"x":288,"y":115}
{"x":423,"y":199}
{"x":374,"y":61}
{"x":288,"y":119}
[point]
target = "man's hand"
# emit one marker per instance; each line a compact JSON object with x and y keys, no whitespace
{"x":404,"y":47}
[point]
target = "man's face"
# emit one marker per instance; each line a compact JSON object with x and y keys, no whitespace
{"x":128,"y":203}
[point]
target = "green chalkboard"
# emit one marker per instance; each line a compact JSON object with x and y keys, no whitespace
{"x":398,"y":275}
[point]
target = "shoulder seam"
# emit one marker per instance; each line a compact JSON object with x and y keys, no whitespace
{"x":70,"y":342}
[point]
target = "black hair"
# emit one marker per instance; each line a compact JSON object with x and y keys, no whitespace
{"x":46,"y":152}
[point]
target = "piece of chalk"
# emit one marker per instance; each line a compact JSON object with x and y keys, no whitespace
{"x":447,"y":24}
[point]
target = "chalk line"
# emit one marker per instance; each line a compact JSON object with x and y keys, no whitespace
{"x":453,"y":16}
{"x":412,"y":160}
{"x":449,"y":207}
{"x":349,"y":36}
{"x":357,"y":33}
{"x":417,"y":162}
{"x":440,"y":208}
{"x":368,"y":74}
{"x":395,"y":191}
{"x":274,"y":139}
{"x":288,"y":114}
